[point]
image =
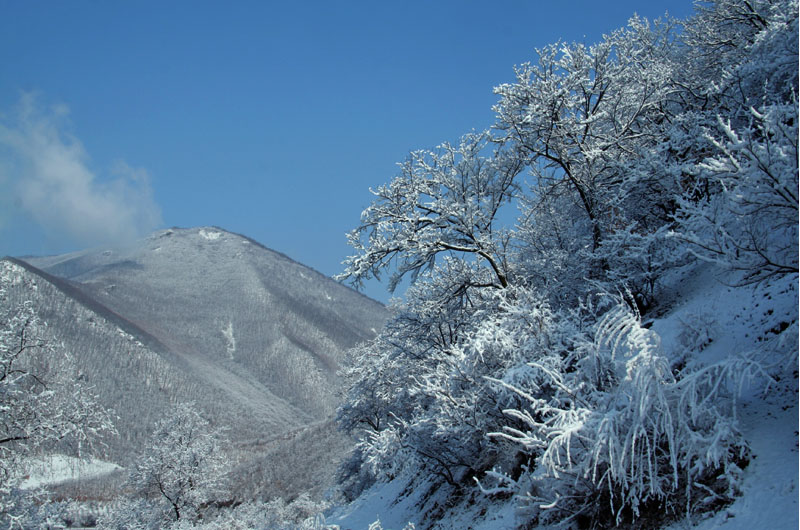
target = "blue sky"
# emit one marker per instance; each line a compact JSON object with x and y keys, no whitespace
{"x":272,"y":119}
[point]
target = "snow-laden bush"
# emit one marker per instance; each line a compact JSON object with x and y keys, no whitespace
{"x":636,"y":260}
{"x":132,"y":514}
{"x":73,"y":513}
{"x":615,"y":436}
{"x":416,"y":397}
{"x":300,"y":514}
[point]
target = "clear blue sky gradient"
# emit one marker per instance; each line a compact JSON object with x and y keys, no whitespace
{"x":272,"y":119}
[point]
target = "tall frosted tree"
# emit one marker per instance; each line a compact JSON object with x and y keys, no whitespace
{"x":522,"y":346}
{"x":439,"y":222}
{"x":182,"y":466}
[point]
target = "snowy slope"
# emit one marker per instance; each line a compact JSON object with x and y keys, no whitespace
{"x":54,"y":469}
{"x":702,"y":306}
{"x":743,"y":319}
{"x":220,"y":298}
{"x":203,"y":315}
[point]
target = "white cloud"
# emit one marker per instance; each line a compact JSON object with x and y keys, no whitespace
{"x":46,"y":169}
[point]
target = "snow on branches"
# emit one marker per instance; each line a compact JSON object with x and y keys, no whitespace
{"x":44,"y":403}
{"x":751,"y":223}
{"x":182,"y":466}
{"x":444,"y":201}
{"x":657,"y":149}
{"x":614,"y":434}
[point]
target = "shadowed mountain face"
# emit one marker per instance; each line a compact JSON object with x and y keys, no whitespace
{"x":201,"y":315}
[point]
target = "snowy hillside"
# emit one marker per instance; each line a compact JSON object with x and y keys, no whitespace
{"x":625,"y":353}
{"x":214,"y":298}
{"x":728,"y":321}
{"x":249,"y":336}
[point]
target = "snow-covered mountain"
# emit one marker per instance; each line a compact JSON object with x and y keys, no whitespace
{"x":251,"y":336}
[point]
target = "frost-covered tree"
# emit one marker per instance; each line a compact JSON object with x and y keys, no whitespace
{"x":583,"y":119}
{"x":439,"y":221}
{"x":445,"y":201}
{"x":739,"y":52}
{"x":396,"y":378}
{"x":44,"y":403}
{"x":578,"y":113}
{"x":182,"y":466}
{"x":650,"y":152}
{"x":740,"y":207}
{"x":751,"y":223}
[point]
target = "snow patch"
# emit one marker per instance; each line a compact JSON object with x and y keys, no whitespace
{"x":398,"y":504}
{"x":211,"y":235}
{"x":53,"y":469}
{"x":770,"y":498}
{"x":228,"y":333}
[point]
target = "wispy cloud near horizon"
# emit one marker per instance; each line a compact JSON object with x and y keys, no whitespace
{"x":45,"y":171}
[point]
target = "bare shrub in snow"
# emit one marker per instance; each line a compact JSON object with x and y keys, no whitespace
{"x":616,"y":436}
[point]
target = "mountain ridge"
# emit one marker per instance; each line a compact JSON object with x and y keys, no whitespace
{"x":250,"y":335}
{"x":89,"y":303}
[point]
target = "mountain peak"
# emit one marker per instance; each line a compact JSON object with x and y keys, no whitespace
{"x":252,"y":336}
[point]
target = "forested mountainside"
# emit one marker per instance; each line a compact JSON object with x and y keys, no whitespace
{"x":210,"y":296}
{"x":200,"y":316}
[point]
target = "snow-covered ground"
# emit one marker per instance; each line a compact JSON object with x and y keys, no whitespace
{"x":706,"y":308}
{"x":53,"y":469}
{"x":395,"y":508}
{"x":742,"y":319}
{"x":770,"y":492}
